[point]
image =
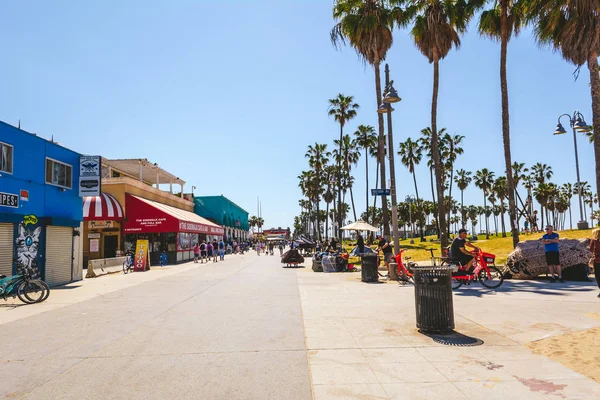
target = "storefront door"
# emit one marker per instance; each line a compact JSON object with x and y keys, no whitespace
{"x":111,"y":243}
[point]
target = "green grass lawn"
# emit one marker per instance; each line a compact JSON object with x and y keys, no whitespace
{"x":497,"y":245}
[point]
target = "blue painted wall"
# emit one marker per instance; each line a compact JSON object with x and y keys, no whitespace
{"x":221,"y":210}
{"x":29,"y":169}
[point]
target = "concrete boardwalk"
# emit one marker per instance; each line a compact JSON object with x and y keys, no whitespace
{"x":227,"y":330}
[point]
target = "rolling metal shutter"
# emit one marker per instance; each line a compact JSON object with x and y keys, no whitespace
{"x":6,"y":249}
{"x":59,"y":255}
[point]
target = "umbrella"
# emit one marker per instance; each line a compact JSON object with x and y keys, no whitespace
{"x":360,"y":225}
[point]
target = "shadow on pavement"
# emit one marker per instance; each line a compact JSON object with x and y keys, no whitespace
{"x":537,"y":287}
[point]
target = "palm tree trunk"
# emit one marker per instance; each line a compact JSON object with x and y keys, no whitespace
{"x":450,"y":190}
{"x":595,"y":91}
{"x":327,"y":222}
{"x":381,"y":149}
{"x":462,"y":209}
{"x":376,"y":185}
{"x":352,"y":201}
{"x":436,"y":155}
{"x":542,"y":217}
{"x":487,"y":223}
{"x":367,"y":190}
{"x":339,"y":171}
{"x":570,"y":216}
{"x":502,"y":219}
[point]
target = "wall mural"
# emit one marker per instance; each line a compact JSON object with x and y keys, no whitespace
{"x":27,"y":244}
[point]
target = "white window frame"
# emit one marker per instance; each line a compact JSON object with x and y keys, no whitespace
{"x":46,"y":173}
{"x":12,"y":161}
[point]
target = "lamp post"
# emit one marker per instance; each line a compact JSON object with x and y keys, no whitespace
{"x":577,"y":123}
{"x":391,"y":96}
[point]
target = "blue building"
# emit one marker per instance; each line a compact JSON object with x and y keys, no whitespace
{"x":40,"y":208}
{"x":224,"y":212}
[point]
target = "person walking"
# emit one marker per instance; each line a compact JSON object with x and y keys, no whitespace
{"x":550,"y":241}
{"x":222,"y":250}
{"x":196,"y":252}
{"x":215,"y":250}
{"x":384,"y":246}
{"x":280,"y":249}
{"x":209,"y":251}
{"x":595,"y":249}
{"x":163,"y":259}
{"x":202,"y":252}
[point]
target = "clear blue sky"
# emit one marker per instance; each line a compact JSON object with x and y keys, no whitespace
{"x":228,"y":94}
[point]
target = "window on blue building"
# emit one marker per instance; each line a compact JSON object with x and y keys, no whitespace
{"x":58,"y":173}
{"x":6,"y":158}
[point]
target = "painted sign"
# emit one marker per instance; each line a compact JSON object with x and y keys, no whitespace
{"x":141,"y":256}
{"x":89,"y":176}
{"x":95,"y":235}
{"x":27,"y":244}
{"x":94,"y":245}
{"x":24,"y":195}
{"x":9,"y":200}
{"x":100,"y":224}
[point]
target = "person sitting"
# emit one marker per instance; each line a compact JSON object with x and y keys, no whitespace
{"x":459,"y":253}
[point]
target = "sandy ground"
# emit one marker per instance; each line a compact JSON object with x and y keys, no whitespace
{"x":579,"y":351}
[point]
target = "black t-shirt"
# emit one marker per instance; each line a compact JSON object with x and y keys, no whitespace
{"x":386,"y":250}
{"x":360,"y":242}
{"x":455,"y":252}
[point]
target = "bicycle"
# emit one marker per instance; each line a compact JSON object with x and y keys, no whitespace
{"x":404,"y":271}
{"x":128,"y":263}
{"x":28,"y":290}
{"x":488,"y":275}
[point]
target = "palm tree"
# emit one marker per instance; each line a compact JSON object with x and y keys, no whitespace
{"x":426,"y":143}
{"x":541,"y":172}
{"x":317,"y":159}
{"x":350,"y":156}
{"x":437,"y":27}
{"x":473,"y":212}
{"x":411,"y":155}
{"x":453,"y":150}
{"x":368,"y":25}
{"x":484,"y":179}
{"x":366,"y":138}
{"x":501,"y":190}
{"x":342,"y":108}
{"x":252,"y":222}
{"x":573,"y":27}
{"x":566,"y":191}
{"x":463,"y":180}
{"x":330,"y":172}
{"x":542,"y":193}
{"x":500,"y":23}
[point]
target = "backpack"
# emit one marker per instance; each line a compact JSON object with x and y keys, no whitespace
{"x":202,"y":247}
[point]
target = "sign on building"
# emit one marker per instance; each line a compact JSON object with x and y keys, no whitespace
{"x":89,"y":176}
{"x":9,"y":200}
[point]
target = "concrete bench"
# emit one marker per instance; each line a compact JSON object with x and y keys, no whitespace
{"x":106,"y":265}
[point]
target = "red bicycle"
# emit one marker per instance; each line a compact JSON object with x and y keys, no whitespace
{"x":404,"y":271}
{"x":488,"y":275}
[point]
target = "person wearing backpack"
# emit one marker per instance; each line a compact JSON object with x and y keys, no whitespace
{"x":202,"y":252}
{"x":222,"y":250}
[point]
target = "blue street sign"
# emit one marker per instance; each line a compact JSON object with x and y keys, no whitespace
{"x":380,"y":192}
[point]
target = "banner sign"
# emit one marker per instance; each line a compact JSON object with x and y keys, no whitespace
{"x":141,"y":256}
{"x":100,"y":224}
{"x":9,"y":200}
{"x":89,"y":176}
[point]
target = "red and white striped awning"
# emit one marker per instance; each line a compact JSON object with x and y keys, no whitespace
{"x":102,"y":208}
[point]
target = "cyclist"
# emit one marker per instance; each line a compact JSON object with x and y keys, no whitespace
{"x":459,"y":253}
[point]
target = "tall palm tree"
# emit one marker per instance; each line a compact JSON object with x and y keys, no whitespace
{"x":541,"y":172}
{"x":366,"y":138}
{"x":437,"y":28}
{"x":367,"y":25}
{"x":411,"y":154}
{"x":542,"y":193}
{"x":426,"y":143}
{"x":573,"y":28}
{"x":453,"y":150}
{"x":350,"y":156}
{"x":463,"y":179}
{"x":342,"y":109}
{"x":566,"y":190}
{"x":317,"y":159}
{"x":484,"y":179}
{"x":499,"y":23}
{"x":330,"y":172}
{"x":501,"y":190}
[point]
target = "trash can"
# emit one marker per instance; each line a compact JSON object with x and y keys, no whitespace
{"x":316,"y":265}
{"x":369,"y":270}
{"x":433,"y":299}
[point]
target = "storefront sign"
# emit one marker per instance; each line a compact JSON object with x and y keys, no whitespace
{"x":95,"y":235}
{"x":141,"y":256}
{"x":100,"y":224}
{"x":89,"y":176}
{"x":9,"y":200}
{"x":24,"y":195}
{"x":94,"y":245}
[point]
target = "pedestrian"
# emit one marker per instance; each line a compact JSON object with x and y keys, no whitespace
{"x":196,"y":252}
{"x":257,"y":246}
{"x":360,"y":243}
{"x":215,"y":250}
{"x":526,"y":226}
{"x":550,"y":241}
{"x":203,"y":252}
{"x":333,"y":244}
{"x":163,"y":259}
{"x":209,"y":251}
{"x":271,"y":245}
{"x":534,"y":224}
{"x":595,"y":249}
{"x":384,"y":246}
{"x":222,"y":250}
{"x":280,"y":248}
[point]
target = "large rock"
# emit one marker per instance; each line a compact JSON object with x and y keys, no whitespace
{"x":528,"y":259}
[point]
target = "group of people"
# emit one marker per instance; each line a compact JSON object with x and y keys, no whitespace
{"x":269,"y":248}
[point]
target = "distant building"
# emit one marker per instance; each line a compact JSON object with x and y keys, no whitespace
{"x":278,"y":233}
{"x":40,"y":207}
{"x":224,"y":212}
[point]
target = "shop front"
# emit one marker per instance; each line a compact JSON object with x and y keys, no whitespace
{"x":167,"y":228}
{"x":103,"y":217}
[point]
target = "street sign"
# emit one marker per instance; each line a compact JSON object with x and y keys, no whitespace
{"x":380,"y":192}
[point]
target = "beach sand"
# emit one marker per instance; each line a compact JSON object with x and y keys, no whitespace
{"x":579,"y":351}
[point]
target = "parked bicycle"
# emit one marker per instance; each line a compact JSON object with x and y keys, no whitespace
{"x":484,"y":271}
{"x":23,"y":286}
{"x":128,"y":263}
{"x":404,"y":269}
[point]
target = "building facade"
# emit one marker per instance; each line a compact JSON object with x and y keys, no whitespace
{"x":224,"y":212}
{"x":40,"y":207}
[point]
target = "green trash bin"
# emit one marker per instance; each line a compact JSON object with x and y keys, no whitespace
{"x":433,"y":299}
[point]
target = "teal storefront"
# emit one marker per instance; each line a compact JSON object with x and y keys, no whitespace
{"x":224,"y":212}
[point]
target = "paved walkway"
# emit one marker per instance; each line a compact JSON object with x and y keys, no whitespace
{"x":231,"y":330}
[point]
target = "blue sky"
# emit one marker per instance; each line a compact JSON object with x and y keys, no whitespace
{"x":227,"y":95}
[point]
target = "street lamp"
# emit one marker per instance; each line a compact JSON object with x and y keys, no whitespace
{"x":391,"y":96}
{"x":577,"y":123}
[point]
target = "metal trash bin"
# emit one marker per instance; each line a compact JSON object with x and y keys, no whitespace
{"x":369,"y":269}
{"x":433,"y":299}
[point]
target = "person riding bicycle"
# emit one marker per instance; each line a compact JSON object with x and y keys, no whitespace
{"x":459,"y":253}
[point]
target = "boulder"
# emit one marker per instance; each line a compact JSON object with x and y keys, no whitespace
{"x":528,"y":259}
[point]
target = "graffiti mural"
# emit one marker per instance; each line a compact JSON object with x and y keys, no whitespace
{"x":27,"y":244}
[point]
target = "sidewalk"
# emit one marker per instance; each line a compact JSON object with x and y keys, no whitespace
{"x":362,"y":341}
